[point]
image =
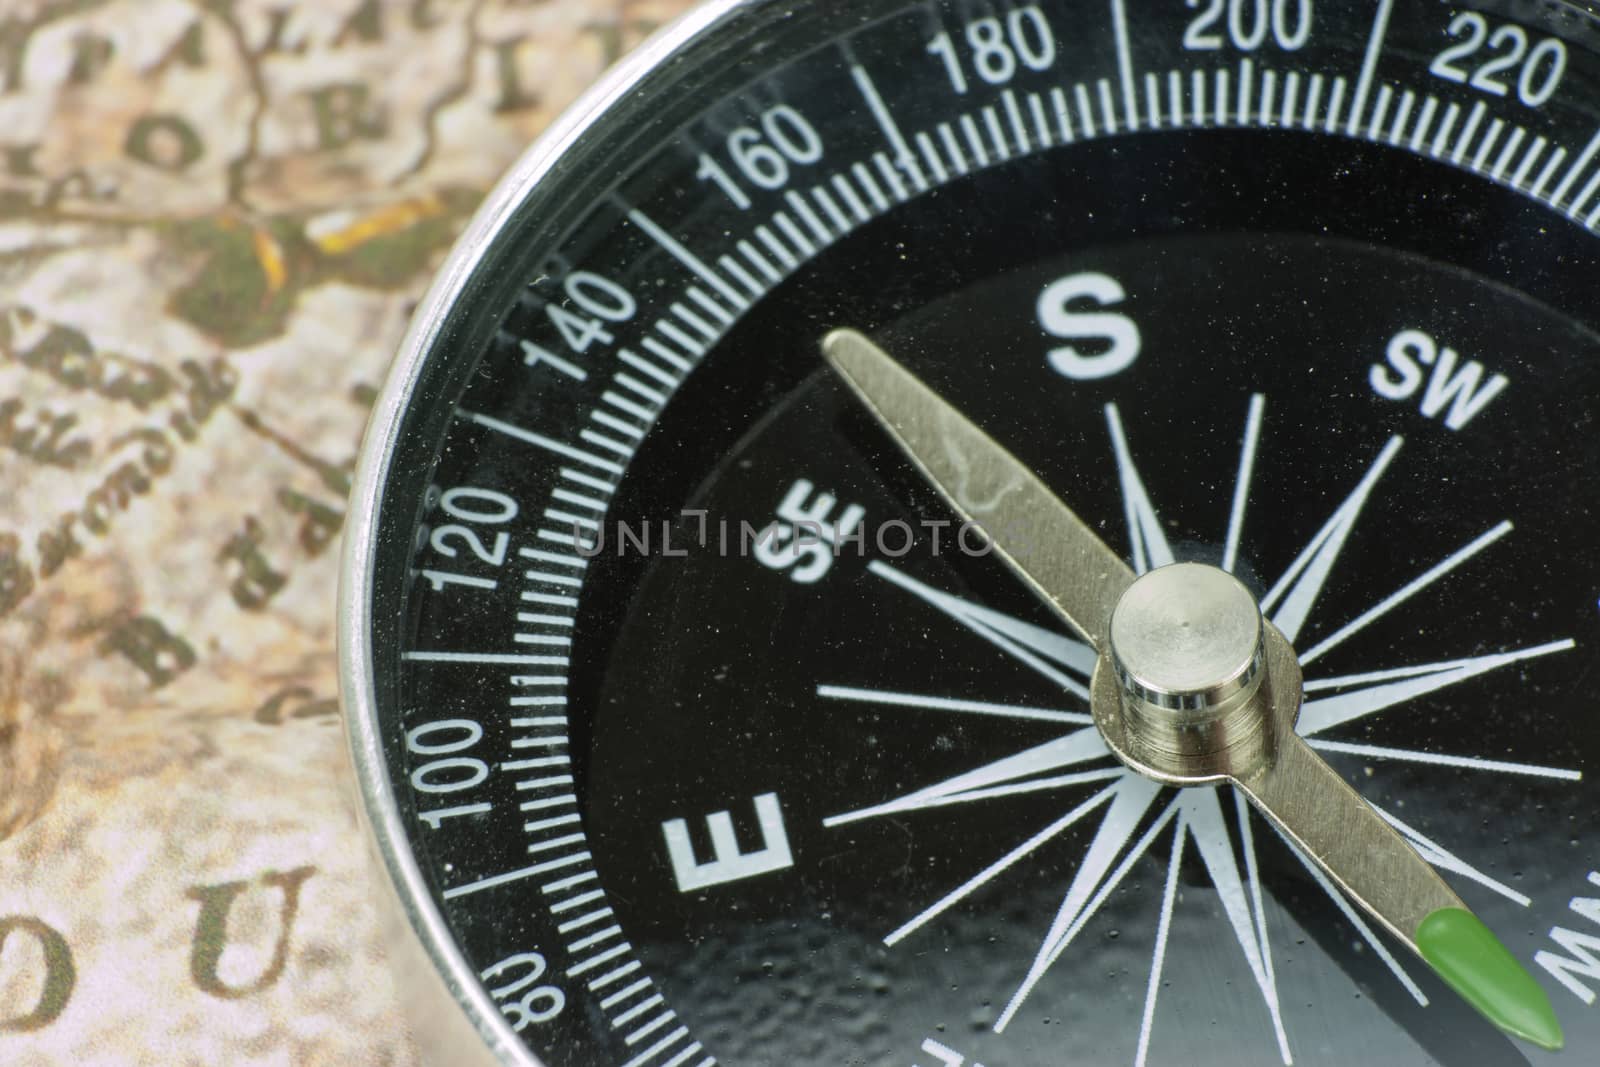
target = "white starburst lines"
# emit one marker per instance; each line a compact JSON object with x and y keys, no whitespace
{"x":1289,"y":602}
{"x":1044,"y":650}
{"x":1149,"y":540}
{"x":1125,"y":801}
{"x":1002,"y":777}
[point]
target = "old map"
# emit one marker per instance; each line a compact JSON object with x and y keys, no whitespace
{"x":215,"y":219}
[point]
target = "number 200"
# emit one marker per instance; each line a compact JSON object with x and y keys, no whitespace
{"x":1248,"y":23}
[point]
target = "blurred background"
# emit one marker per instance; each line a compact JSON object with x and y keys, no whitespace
{"x":216,"y":217}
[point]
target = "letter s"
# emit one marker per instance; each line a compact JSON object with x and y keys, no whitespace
{"x":1058,"y":320}
{"x":1405,"y":348}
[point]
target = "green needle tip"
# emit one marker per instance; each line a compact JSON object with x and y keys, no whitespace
{"x":1474,"y":963}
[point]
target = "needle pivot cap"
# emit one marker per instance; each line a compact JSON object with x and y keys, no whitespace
{"x":1187,"y":638}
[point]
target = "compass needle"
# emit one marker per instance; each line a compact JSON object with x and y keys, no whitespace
{"x":1191,"y":652}
{"x":1049,"y":547}
{"x":1199,"y":688}
{"x":1474,"y":963}
{"x":956,"y":533}
{"x":1382,"y":872}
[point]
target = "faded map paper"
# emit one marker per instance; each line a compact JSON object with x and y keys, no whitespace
{"x":215,"y":219}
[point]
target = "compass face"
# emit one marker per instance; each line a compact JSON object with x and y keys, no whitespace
{"x":695,"y":723}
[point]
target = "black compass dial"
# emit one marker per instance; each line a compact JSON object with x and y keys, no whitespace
{"x":698,"y":725}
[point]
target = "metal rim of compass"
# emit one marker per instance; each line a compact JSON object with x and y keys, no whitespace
{"x":430,"y":968}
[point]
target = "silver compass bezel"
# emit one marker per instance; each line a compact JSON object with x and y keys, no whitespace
{"x":431,"y":973}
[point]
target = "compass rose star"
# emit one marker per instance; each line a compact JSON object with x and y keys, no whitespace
{"x":1196,"y":813}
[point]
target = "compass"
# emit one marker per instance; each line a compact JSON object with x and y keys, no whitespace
{"x":1006,"y":534}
